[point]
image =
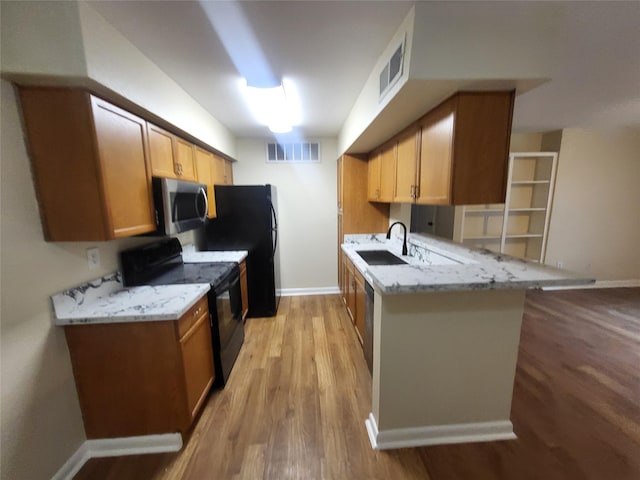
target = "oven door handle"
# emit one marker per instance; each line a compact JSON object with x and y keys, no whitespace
{"x":274,"y":229}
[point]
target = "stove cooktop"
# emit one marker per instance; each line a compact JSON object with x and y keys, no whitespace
{"x":160,"y":263}
{"x":212,"y":273}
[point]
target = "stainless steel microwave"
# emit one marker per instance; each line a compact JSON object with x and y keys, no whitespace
{"x":180,"y":205}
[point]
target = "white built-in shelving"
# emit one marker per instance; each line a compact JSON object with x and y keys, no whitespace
{"x":519,"y":227}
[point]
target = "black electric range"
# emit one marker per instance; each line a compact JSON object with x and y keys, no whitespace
{"x":161,"y":263}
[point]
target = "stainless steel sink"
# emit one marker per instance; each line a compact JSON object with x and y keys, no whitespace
{"x":380,"y":257}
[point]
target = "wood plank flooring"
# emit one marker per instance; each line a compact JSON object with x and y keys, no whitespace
{"x":295,"y":405}
{"x":294,"y":408}
{"x":576,"y":403}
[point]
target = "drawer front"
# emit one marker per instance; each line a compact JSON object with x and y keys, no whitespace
{"x":190,"y":318}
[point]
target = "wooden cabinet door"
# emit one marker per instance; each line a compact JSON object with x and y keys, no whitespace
{"x":388,"y":173}
{"x":124,"y":168}
{"x":161,"y":152}
{"x":204,"y":171}
{"x":360,"y":305}
{"x":343,"y":273}
{"x":351,"y":290}
{"x":140,"y":389}
{"x":481,"y":147}
{"x":373,"y":186}
{"x":185,"y":162}
{"x":218,"y":170}
{"x":197,"y":362}
{"x":340,"y":194}
{"x":228,"y":172}
{"x":406,"y":166}
{"x":244,"y":289}
{"x":436,"y":157}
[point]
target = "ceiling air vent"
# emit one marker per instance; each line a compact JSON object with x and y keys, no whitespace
{"x":299,"y":152}
{"x":392,"y":70}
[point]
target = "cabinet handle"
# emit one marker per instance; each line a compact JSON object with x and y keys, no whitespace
{"x":413,"y":191}
{"x":416,"y":191}
{"x":197,"y":312}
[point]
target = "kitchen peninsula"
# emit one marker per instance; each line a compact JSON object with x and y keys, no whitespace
{"x":446,"y":331}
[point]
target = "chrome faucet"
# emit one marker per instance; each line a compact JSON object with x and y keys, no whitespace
{"x":404,"y":242}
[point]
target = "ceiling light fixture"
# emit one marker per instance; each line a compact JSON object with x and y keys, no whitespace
{"x":271,"y":107}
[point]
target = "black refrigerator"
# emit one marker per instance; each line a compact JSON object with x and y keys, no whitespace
{"x":246,"y":219}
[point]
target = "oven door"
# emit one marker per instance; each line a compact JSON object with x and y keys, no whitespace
{"x":228,"y":308}
{"x":227,"y":332}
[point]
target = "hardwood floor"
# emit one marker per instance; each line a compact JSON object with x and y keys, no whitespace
{"x":295,"y":405}
{"x":576,"y":402}
{"x":294,"y":408}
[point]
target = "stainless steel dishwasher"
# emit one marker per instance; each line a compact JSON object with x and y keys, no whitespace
{"x":368,"y":326}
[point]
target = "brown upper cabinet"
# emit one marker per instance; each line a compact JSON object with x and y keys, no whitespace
{"x":373,"y":186}
{"x":222,"y":171}
{"x":456,"y":154}
{"x":185,"y":159}
{"x":212,"y":170}
{"x":92,"y":174}
{"x":382,"y":173}
{"x":171,"y":156}
{"x":465,"y":148}
{"x":407,"y":148}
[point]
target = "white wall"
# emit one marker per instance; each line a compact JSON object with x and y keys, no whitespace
{"x":41,"y":424}
{"x":53,"y":50}
{"x":400,"y":212}
{"x":68,"y":42}
{"x":367,"y":107}
{"x":526,"y":142}
{"x":595,"y":220}
{"x":522,"y":46}
{"x":307,"y":211}
{"x":113,"y":61}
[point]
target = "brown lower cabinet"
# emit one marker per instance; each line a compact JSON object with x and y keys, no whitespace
{"x":354,"y":295}
{"x":142,"y":378}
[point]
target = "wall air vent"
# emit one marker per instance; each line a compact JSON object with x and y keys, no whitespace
{"x":392,"y":71}
{"x":298,"y":152}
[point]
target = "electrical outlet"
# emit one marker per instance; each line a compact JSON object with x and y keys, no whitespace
{"x":93,"y":258}
{"x":559,"y":264}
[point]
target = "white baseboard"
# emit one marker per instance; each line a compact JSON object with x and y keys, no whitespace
{"x":438,"y":434}
{"x":73,"y":464}
{"x":115,"y":447}
{"x":295,"y":292}
{"x":600,"y":284}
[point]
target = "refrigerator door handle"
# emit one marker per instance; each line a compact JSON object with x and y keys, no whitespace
{"x":274,"y":229}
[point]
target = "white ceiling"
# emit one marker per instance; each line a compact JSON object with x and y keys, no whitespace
{"x":329,"y":48}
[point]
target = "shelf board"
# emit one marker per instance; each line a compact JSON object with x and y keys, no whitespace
{"x":481,"y":238}
{"x":491,"y":211}
{"x":529,"y":182}
{"x":526,"y":210}
{"x":524,"y":235}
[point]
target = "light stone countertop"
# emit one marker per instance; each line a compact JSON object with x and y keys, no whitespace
{"x":214,"y":256}
{"x":436,"y":264}
{"x":105,"y":300}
